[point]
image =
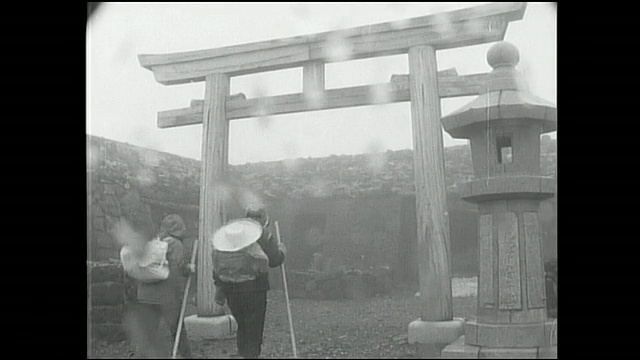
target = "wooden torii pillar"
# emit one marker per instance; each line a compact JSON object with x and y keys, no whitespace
{"x":419,"y":37}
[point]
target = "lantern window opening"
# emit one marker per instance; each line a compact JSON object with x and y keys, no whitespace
{"x":505,"y":151}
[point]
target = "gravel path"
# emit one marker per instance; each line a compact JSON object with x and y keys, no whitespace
{"x":325,"y":329}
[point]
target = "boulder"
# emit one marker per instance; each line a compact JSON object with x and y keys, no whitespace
{"x":106,"y":272}
{"x":107,"y":294}
{"x":108,"y":332}
{"x":106,"y":314}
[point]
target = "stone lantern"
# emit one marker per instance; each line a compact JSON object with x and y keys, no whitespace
{"x":504,"y":125}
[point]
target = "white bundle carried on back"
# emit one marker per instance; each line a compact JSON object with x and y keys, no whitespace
{"x":151,"y":265}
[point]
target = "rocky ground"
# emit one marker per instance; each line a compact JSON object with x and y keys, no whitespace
{"x":325,"y":329}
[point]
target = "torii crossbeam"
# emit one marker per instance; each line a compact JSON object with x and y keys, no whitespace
{"x":238,"y":107}
{"x":419,"y":37}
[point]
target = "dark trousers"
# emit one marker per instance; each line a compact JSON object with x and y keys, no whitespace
{"x":249,"y":309}
{"x":144,"y":330}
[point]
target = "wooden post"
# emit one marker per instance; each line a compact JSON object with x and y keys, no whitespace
{"x":431,"y":205}
{"x":215,"y":141}
{"x":313,"y":77}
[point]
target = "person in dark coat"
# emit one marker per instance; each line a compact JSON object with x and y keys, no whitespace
{"x":163,"y":299}
{"x":247,"y":299}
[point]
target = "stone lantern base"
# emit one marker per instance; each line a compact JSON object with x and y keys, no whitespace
{"x":509,"y":335}
{"x":461,"y":349}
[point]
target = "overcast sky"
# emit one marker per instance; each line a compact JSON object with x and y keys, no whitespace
{"x":123,"y":98}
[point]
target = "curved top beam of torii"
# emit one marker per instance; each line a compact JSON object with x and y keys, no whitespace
{"x":471,"y":26}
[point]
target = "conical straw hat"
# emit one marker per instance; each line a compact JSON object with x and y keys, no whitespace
{"x":236,"y":235}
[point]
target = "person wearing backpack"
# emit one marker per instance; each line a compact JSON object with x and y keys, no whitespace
{"x":162,"y":299}
{"x":244,"y":250}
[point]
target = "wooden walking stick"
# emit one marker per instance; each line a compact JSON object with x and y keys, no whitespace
{"x":286,"y":296}
{"x":184,"y":300}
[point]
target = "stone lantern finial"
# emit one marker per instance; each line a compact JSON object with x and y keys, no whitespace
{"x":503,"y":54}
{"x":503,"y":58}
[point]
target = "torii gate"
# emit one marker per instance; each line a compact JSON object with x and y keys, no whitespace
{"x":419,"y":37}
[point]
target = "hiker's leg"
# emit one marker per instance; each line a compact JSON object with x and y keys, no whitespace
{"x":146,"y":322}
{"x":256,"y":305}
{"x":234,"y":300}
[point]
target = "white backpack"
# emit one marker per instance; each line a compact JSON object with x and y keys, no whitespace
{"x":152,"y":266}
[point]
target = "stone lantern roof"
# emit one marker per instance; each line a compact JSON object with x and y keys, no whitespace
{"x":505,"y":98}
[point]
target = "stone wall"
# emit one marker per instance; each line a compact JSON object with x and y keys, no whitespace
{"x":366,"y":232}
{"x":106,"y":297}
{"x":140,"y":185}
{"x":357,"y":210}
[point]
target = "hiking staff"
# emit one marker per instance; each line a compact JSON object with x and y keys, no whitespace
{"x":286,"y":296}
{"x":184,"y":301}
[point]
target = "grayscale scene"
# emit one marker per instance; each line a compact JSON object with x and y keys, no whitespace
{"x":321,"y":180}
